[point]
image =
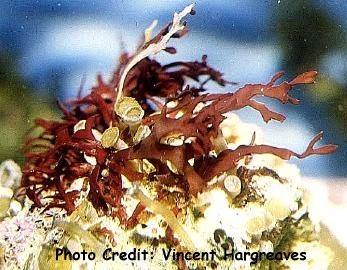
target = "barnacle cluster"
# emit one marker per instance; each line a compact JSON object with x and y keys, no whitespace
{"x":147,"y":161}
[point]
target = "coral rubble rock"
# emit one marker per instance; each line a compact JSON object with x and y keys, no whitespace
{"x":268,"y":215}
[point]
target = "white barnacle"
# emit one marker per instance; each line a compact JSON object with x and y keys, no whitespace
{"x":109,"y":137}
{"x":129,"y":110}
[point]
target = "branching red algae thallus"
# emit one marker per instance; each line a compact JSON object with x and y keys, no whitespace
{"x":56,"y":158}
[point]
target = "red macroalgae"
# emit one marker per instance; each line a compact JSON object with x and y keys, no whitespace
{"x":56,"y":158}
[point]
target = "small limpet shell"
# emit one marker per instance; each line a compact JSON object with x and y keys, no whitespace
{"x":109,"y":137}
{"x":233,"y":185}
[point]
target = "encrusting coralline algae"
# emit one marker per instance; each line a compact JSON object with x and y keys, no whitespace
{"x":150,"y":164}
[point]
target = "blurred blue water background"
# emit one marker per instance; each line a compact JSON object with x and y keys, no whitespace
{"x":54,"y":44}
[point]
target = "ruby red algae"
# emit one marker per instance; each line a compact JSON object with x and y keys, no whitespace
{"x":57,"y":157}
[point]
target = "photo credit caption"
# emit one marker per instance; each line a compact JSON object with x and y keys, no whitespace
{"x":171,"y":254}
